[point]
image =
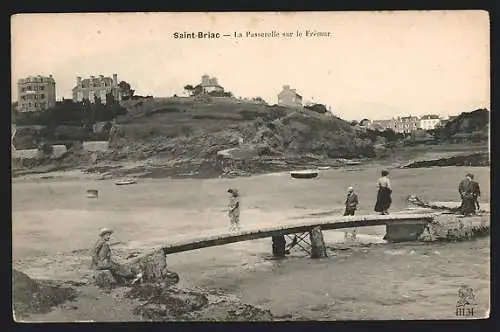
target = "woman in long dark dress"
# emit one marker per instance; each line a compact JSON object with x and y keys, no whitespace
{"x":384,"y":199}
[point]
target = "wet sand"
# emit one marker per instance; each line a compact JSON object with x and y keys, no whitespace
{"x":52,"y":217}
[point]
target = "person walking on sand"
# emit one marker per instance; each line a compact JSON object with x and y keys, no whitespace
{"x":102,"y":260}
{"x":234,"y":209}
{"x":351,"y":204}
{"x":384,"y":193}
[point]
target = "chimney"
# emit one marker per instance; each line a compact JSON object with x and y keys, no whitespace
{"x":115,"y":79}
{"x":205,"y":79}
{"x":78,"y":81}
{"x":286,"y":87}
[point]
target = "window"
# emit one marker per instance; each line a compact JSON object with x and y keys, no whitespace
{"x":42,"y":88}
{"x":42,"y":96}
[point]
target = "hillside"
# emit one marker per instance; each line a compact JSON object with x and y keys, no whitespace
{"x":467,"y":126}
{"x":186,"y":128}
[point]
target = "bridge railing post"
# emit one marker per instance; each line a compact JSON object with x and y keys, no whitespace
{"x":318,"y":247}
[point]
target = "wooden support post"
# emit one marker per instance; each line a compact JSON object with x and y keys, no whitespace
{"x":279,"y":244}
{"x":318,"y":248}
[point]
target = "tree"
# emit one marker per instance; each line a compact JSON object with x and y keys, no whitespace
{"x":13,"y":113}
{"x":189,"y":89}
{"x":364,"y":122}
{"x":318,"y":108}
{"x":354,"y":123}
{"x":126,"y":89}
{"x":259,"y":100}
{"x":198,"y":90}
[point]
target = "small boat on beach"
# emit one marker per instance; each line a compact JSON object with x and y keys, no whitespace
{"x":125,"y":182}
{"x":306,"y":174}
{"x":348,"y":161}
{"x":323,"y":168}
{"x":92,"y":193}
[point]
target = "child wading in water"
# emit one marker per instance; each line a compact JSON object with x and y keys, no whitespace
{"x":234,"y":209}
{"x":351,"y":204}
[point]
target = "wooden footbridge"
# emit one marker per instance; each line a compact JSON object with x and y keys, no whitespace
{"x":399,"y":227}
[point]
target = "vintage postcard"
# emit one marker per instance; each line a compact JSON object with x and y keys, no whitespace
{"x":257,"y":166}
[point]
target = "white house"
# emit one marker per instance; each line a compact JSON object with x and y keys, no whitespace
{"x":289,"y":97}
{"x":429,"y":122}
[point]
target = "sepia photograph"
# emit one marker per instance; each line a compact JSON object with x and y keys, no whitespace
{"x":250,"y":166}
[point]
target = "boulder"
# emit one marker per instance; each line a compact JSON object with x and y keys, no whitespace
{"x":104,"y":279}
{"x":154,"y":268}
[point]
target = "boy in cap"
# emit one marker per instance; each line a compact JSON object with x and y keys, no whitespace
{"x":101,"y":259}
{"x":234,"y":209}
{"x":351,"y":204}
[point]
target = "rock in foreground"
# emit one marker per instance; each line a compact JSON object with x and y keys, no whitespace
{"x":36,"y":296}
{"x":173,"y":304}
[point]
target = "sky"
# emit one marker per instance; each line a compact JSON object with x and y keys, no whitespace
{"x":373,"y":65}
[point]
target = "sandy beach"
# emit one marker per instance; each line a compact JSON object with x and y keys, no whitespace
{"x":54,"y":223}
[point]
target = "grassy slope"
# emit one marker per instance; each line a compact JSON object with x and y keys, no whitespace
{"x":187,"y":128}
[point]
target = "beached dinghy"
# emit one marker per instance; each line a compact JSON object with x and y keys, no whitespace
{"x":349,"y":162}
{"x":323,"y":168}
{"x":307,"y":174}
{"x":125,"y":182}
{"x":92,"y":193}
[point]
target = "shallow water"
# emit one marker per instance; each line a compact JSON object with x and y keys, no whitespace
{"x":367,"y":279}
{"x":361,"y":280}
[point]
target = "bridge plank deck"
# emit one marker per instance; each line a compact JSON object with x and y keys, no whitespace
{"x":253,"y":234}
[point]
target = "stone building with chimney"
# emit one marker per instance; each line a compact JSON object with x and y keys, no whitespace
{"x":210,"y":84}
{"x":99,"y":86}
{"x":289,"y":97}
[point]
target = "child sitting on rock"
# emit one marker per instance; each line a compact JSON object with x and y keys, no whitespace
{"x":101,"y":259}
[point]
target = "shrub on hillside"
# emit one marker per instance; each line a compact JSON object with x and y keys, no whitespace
{"x":318,"y":108}
{"x":203,"y":98}
{"x":251,"y":114}
{"x":162,"y":110}
{"x":465,"y":123}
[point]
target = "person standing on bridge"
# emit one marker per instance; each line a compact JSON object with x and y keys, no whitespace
{"x":470,"y":192}
{"x":462,"y":188}
{"x":101,"y":259}
{"x":476,"y":191}
{"x":351,"y":204}
{"x":234,"y":209}
{"x":384,"y":199}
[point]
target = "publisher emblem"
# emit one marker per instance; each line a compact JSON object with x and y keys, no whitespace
{"x":466,"y":302}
